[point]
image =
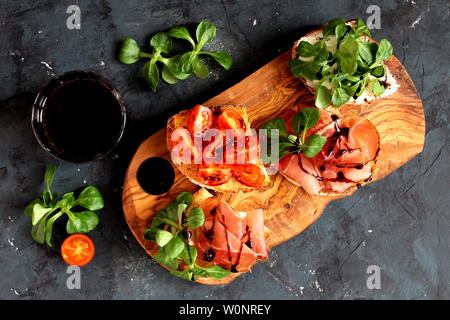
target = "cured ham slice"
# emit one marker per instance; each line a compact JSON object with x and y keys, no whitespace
{"x":230,"y":239}
{"x":223,"y":248}
{"x":256,"y":240}
{"x":352,"y":140}
{"x":347,"y":159}
{"x":290,"y":167}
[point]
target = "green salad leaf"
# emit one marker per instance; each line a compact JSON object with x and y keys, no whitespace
{"x":322,"y":97}
{"x":180,"y":66}
{"x":168,"y":229}
{"x":350,"y":69}
{"x":298,"y":142}
{"x":46,"y":211}
{"x":129,"y":51}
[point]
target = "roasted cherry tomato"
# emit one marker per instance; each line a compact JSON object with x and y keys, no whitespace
{"x":77,"y":250}
{"x":230,"y":119}
{"x":252,"y":149}
{"x":199,"y":120}
{"x":215,"y":174}
{"x":249,"y":174}
{"x":245,"y":151}
{"x":181,"y":139}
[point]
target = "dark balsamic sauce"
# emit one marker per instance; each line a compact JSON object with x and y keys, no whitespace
{"x":340,"y":176}
{"x":340,"y":153}
{"x":217,"y":111}
{"x":155,"y":176}
{"x":228,"y":242}
{"x":82,"y":119}
{"x":330,"y":149}
{"x":209,"y":255}
{"x":236,"y":264}
{"x":344,"y":132}
{"x":186,"y":234}
{"x":209,"y":234}
{"x":339,"y":132}
{"x":248,"y":244}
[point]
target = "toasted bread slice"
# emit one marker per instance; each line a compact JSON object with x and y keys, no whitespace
{"x":200,"y":196}
{"x":314,"y":36}
{"x":191,"y":170}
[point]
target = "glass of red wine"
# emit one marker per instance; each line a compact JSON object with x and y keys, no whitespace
{"x":78,"y":116}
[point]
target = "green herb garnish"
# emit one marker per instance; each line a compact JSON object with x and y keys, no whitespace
{"x":177,"y":67}
{"x":46,"y":210}
{"x":298,"y":142}
{"x":355,"y":66}
{"x":169,"y":229}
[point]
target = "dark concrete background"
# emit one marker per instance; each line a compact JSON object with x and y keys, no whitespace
{"x":400,"y":223}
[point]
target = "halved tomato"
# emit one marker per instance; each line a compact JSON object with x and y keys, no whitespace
{"x":249,"y":174}
{"x":77,"y":250}
{"x":244,"y":151}
{"x":181,"y":136}
{"x":183,"y":148}
{"x":199,"y":119}
{"x":230,"y":119}
{"x":214,"y":174}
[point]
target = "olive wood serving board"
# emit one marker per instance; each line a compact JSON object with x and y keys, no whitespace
{"x":288,"y":210}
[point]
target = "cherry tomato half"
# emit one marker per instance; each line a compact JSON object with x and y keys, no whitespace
{"x":230,"y":119}
{"x":247,"y":151}
{"x":214,"y":175}
{"x":181,"y":145}
{"x":249,"y":174}
{"x":199,"y":119}
{"x":77,"y":250}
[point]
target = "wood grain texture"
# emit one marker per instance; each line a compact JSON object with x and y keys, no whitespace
{"x":288,"y":210}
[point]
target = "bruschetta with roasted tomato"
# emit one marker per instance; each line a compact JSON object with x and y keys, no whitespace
{"x":214,"y":147}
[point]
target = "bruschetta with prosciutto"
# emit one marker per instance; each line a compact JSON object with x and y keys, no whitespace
{"x":345,"y":162}
{"x":230,"y":239}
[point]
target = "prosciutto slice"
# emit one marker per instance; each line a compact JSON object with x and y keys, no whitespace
{"x":347,"y":159}
{"x":230,"y":239}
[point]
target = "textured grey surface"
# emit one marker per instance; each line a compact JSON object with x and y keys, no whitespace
{"x":401,"y":223}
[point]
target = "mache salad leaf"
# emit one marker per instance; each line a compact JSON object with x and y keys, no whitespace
{"x":355,"y":65}
{"x":170,"y":230}
{"x":45,"y":211}
{"x":175,"y":67}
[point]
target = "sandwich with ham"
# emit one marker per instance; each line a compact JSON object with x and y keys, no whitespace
{"x":343,"y":156}
{"x":233,"y":240}
{"x":201,"y":238}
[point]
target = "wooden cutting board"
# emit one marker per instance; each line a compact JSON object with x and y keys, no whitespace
{"x":288,"y":210}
